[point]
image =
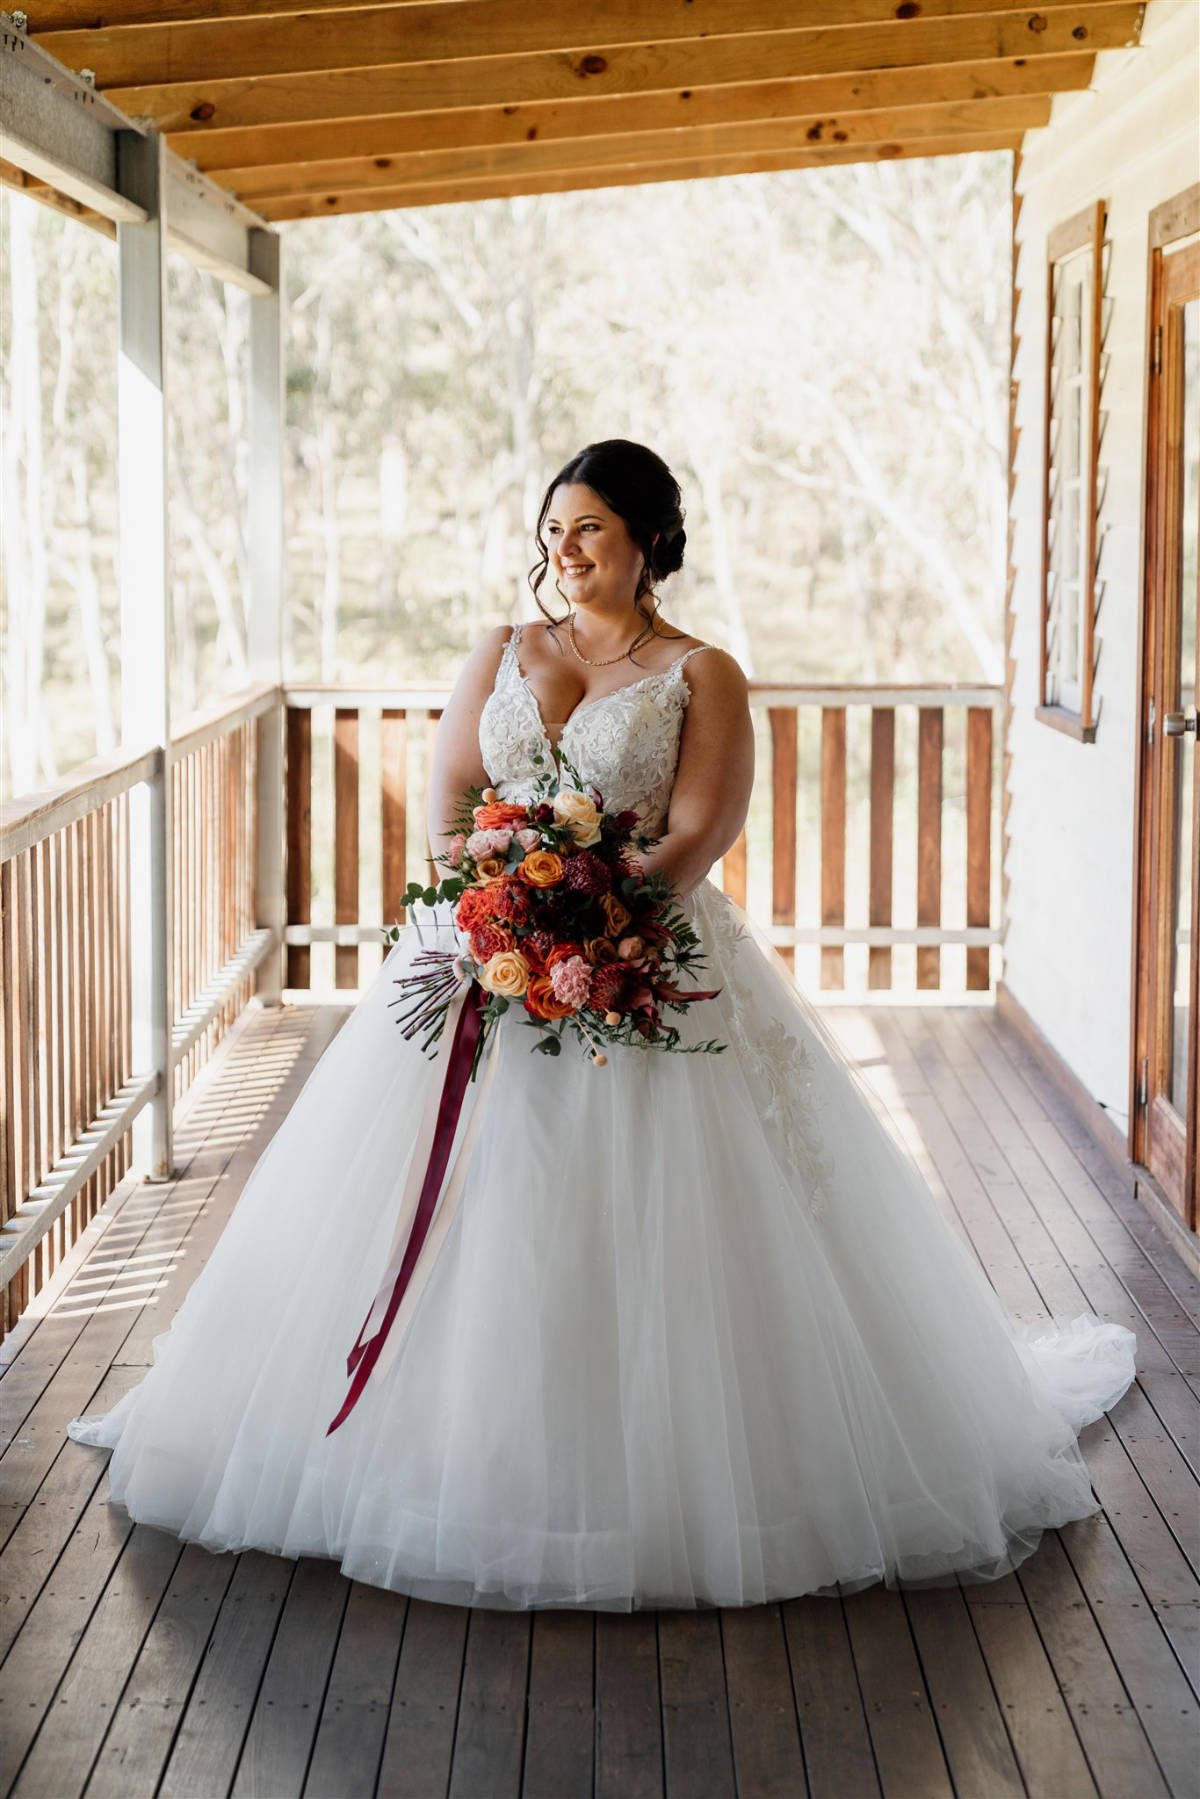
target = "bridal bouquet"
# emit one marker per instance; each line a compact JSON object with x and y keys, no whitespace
{"x":558,"y":919}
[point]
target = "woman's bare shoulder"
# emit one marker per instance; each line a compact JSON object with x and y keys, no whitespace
{"x":715,"y":672}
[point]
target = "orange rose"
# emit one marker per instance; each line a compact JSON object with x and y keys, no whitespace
{"x":542,"y":1001}
{"x":562,"y":952}
{"x":499,"y":816}
{"x":599,"y":950}
{"x":616,"y":914}
{"x":541,"y":868}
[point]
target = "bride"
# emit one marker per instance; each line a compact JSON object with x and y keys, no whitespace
{"x":697,"y":1332}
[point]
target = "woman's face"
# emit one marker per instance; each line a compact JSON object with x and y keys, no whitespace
{"x":591,"y":551}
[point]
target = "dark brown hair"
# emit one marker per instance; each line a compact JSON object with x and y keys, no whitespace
{"x":639,"y":487}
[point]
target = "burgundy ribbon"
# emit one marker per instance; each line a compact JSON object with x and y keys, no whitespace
{"x":365,"y":1352}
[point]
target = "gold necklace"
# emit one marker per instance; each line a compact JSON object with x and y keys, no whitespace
{"x":591,"y":660}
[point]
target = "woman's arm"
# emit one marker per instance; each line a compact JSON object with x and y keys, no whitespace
{"x":457,"y":763}
{"x":711,"y":795}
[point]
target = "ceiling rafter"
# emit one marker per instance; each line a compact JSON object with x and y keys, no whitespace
{"x":688,"y":63}
{"x":830,"y":104}
{"x":142,"y":51}
{"x":586,"y":156}
{"x":340,"y":109}
{"x":310,"y":206}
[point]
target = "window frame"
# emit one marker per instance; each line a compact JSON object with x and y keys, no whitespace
{"x":1077,"y":240}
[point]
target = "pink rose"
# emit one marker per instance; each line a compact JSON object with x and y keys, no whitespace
{"x":454,"y":849}
{"x":488,"y":843}
{"x":630,"y":948}
{"x":528,"y":838}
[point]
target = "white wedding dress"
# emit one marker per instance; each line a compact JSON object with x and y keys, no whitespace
{"x":698,"y":1332}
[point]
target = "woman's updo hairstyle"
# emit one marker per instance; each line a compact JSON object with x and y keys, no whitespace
{"x":639,"y":487}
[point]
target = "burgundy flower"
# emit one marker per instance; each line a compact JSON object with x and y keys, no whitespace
{"x":610,"y":987}
{"x":586,"y":873}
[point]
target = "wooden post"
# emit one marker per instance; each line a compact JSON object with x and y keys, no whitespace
{"x":145,"y":641}
{"x":265,"y":628}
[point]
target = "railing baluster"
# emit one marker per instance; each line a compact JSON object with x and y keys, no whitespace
{"x":299,"y":840}
{"x":979,"y":840}
{"x":9,"y":1052}
{"x":783,"y":821}
{"x":883,"y":794}
{"x":393,"y":807}
{"x":104,"y":1056}
{"x":345,"y":839}
{"x":733,"y":871}
{"x":833,"y":840}
{"x":431,"y":723}
{"x":929,"y":839}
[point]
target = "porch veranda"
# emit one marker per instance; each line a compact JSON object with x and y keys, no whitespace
{"x":134,"y":1664}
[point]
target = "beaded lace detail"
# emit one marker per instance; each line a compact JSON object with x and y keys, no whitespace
{"x":625,"y":743}
{"x":773,"y":1052}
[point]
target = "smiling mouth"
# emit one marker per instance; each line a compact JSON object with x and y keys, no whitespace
{"x":583,"y":568}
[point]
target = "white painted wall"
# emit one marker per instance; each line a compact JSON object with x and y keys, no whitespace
{"x":1132,"y":140}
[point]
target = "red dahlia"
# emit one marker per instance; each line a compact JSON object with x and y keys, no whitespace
{"x":474,"y":907}
{"x":511,"y":901}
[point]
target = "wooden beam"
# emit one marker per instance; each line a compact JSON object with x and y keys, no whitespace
{"x":544,"y":121}
{"x":317,"y":205}
{"x":184,"y":107}
{"x":589,"y":155}
{"x":45,"y":195}
{"x":139,"y":47}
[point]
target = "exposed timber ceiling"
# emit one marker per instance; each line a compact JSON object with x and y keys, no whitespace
{"x":339,"y":110}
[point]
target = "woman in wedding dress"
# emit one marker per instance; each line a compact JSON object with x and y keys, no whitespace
{"x":698,"y":1332}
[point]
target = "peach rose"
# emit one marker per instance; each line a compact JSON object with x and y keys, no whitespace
{"x":542,"y":1001}
{"x":617,"y":916}
{"x":541,"y":868}
{"x":630,"y":948}
{"x":580,"y":814}
{"x":489,"y":868}
{"x":506,"y":973}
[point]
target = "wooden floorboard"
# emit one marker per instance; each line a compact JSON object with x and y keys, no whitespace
{"x":137,"y":1667}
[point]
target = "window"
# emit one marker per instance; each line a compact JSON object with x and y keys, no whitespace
{"x":1074,"y":329}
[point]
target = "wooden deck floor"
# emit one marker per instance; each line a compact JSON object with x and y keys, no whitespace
{"x":134,"y":1665}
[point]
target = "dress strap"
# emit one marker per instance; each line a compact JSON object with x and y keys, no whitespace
{"x":677,"y":665}
{"x":509,"y":652}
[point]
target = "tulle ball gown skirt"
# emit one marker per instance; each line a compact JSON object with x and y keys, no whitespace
{"x":698,"y":1333}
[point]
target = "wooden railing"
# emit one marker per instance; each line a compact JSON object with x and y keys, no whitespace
{"x":72,"y":888}
{"x":356,"y":777}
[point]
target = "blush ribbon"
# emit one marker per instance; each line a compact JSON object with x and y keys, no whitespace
{"x":419,"y":1234}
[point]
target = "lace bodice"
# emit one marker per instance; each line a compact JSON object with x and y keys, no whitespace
{"x":625,"y":743}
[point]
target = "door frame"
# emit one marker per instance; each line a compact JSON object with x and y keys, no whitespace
{"x":1176,"y":218}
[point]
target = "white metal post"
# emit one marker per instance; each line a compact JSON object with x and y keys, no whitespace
{"x":145,"y":630}
{"x":265,"y":624}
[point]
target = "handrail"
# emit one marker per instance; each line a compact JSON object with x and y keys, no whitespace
{"x":27,"y":820}
{"x":433,"y":696}
{"x":205,"y":726}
